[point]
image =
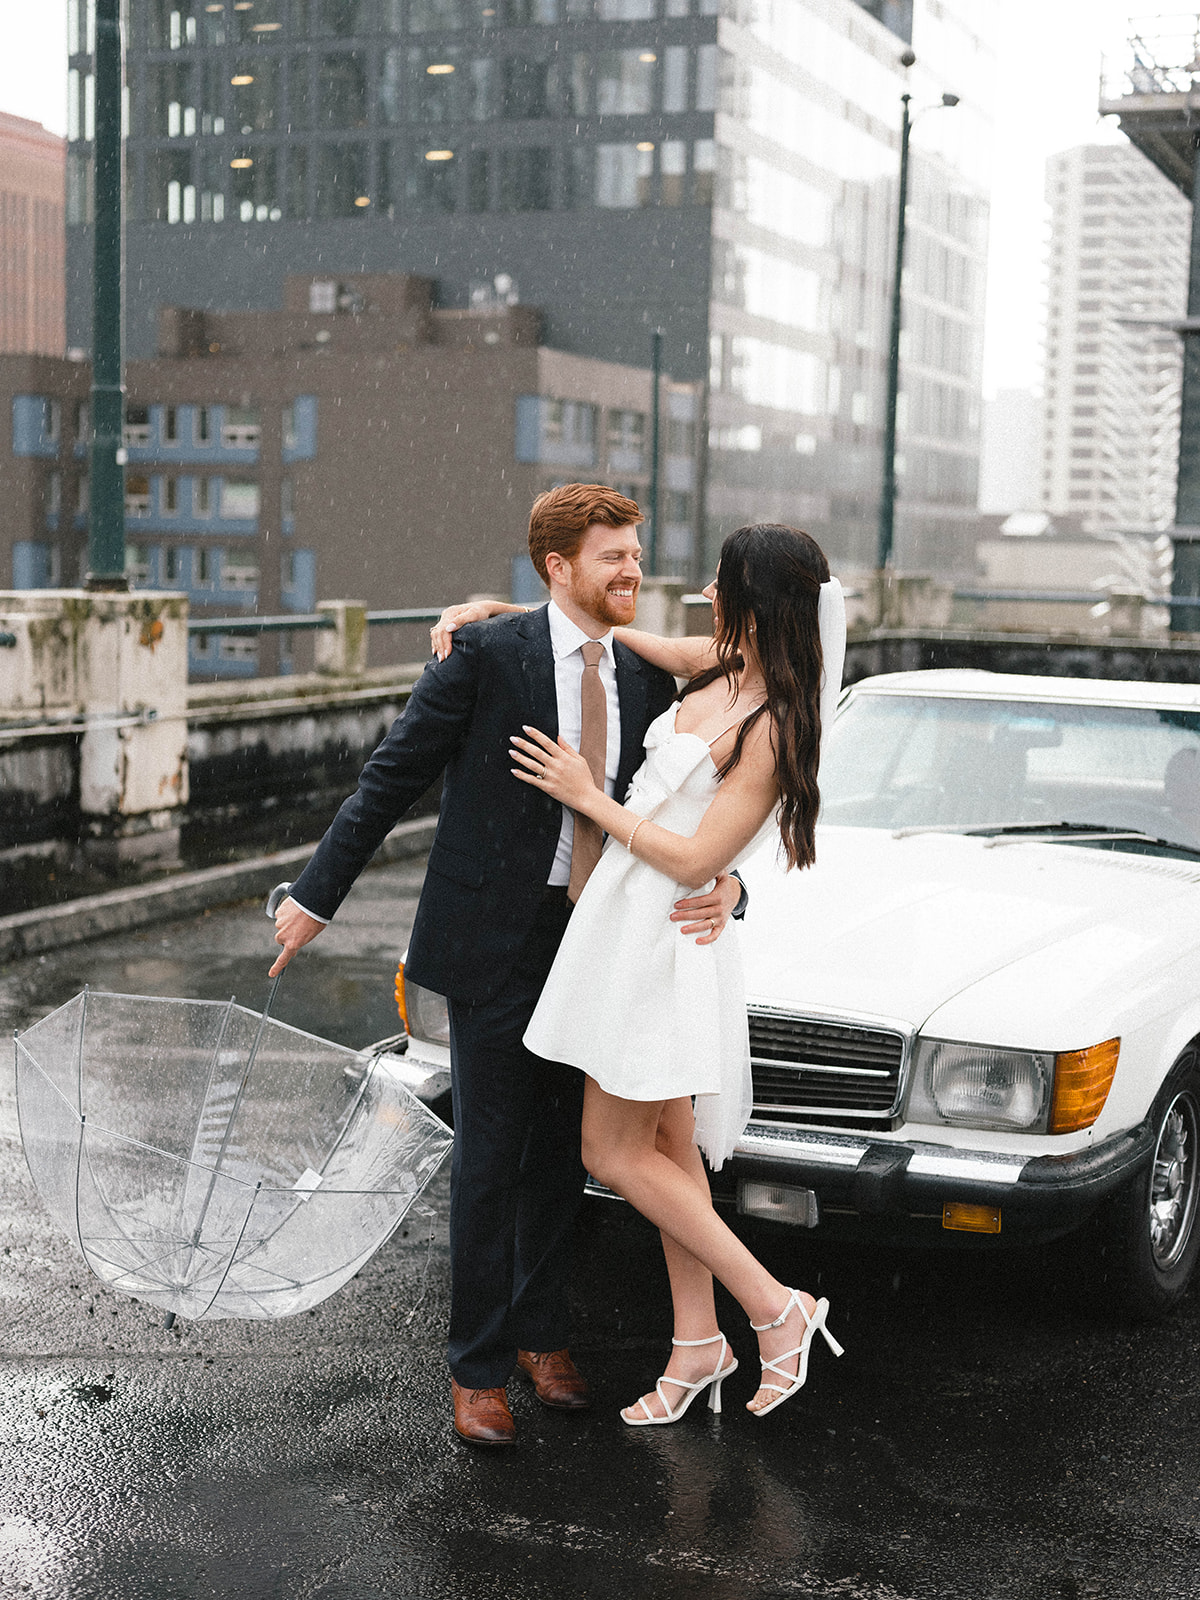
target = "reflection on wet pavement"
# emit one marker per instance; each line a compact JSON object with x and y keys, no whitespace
{"x":985,"y":1437}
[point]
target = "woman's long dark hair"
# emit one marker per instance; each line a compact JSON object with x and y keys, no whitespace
{"x":768,"y":586}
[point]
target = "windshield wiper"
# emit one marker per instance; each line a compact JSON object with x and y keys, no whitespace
{"x":1068,"y":832}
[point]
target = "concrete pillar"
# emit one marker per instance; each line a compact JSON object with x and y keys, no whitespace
{"x":341,"y":651}
{"x":913,"y":602}
{"x":660,"y":607}
{"x":113,"y":666}
{"x":1126,"y":613}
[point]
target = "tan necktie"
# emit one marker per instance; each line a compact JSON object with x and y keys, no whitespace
{"x":593,"y":747}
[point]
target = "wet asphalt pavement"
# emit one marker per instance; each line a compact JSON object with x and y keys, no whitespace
{"x":984,"y":1436}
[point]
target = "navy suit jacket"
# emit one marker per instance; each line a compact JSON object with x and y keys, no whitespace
{"x":496,"y":837}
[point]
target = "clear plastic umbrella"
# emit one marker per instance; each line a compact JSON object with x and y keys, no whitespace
{"x":213,"y":1161}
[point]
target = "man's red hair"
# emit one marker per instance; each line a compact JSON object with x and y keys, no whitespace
{"x":562,"y":516}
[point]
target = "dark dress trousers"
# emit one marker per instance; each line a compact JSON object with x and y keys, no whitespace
{"x":485,"y":935}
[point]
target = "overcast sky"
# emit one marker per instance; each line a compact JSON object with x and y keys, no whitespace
{"x":1048,"y":70}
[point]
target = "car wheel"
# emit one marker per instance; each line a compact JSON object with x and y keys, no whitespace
{"x":1153,"y":1226}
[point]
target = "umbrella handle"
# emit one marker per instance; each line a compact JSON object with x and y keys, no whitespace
{"x":276,"y":898}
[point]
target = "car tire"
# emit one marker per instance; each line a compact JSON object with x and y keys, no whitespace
{"x":1149,"y":1234}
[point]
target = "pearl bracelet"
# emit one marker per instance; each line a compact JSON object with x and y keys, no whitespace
{"x":633,"y":834}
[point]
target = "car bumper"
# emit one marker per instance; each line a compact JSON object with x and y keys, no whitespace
{"x":893,"y":1188}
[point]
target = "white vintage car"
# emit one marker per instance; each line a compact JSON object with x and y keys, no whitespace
{"x":977,"y":1018}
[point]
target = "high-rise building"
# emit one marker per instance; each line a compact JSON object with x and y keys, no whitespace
{"x":725,"y":170}
{"x":32,"y":238}
{"x":1117,"y":281}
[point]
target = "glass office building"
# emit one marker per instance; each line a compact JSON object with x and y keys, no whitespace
{"x":725,"y":170}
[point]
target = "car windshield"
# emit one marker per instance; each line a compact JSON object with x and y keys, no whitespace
{"x":923,"y":761}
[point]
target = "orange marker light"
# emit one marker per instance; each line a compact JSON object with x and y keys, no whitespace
{"x":964,"y":1218}
{"x":1082,"y":1079}
{"x":401,"y":1003}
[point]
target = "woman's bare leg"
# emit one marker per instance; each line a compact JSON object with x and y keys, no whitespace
{"x":620,"y":1148}
{"x":695,"y":1313}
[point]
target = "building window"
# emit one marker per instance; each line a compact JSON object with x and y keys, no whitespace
{"x":136,"y":433}
{"x":300,"y":428}
{"x":525,"y":176}
{"x":672,"y":166}
{"x":202,"y":425}
{"x":525,"y":88}
{"x":202,"y":497}
{"x":623,"y":175}
{"x":137,"y":494}
{"x":82,"y":495}
{"x":342,"y":87}
{"x":343,"y":17}
{"x":170,"y":187}
{"x":170,"y":496}
{"x":204,"y":566}
{"x":624,"y":82}
{"x":170,"y":425}
{"x":35,"y":564}
{"x":431,"y":186}
{"x":433,"y":85}
{"x":706,"y":78}
{"x":478,"y":169}
{"x":172,"y":568}
{"x":137,"y":565}
{"x":521,"y":13}
{"x":255,"y":97}
{"x":239,"y":571}
{"x":53,"y":494}
{"x":241,"y":428}
{"x":342,"y":180}
{"x":625,"y":10}
{"x":239,"y":499}
{"x":675,"y":78}
{"x":704,"y":166}
{"x":254,"y":184}
{"x":626,"y":441}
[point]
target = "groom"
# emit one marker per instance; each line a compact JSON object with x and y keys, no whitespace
{"x":494,"y":906}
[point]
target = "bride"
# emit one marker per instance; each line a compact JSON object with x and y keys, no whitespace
{"x":654,"y":1020}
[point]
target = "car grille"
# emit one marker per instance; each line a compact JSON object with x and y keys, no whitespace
{"x":823,"y":1073}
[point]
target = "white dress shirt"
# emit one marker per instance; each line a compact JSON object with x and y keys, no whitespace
{"x":566,"y":641}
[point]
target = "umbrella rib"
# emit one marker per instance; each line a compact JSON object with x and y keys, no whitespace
{"x":238,"y":1240}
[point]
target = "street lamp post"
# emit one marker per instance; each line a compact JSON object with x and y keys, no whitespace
{"x":656,"y":339}
{"x":887,"y":499}
{"x":106,"y":521}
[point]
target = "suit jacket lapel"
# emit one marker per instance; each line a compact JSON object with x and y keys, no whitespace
{"x":631,"y":691}
{"x":537,"y":668}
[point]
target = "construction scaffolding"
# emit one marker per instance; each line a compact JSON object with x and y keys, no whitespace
{"x":1153,"y":89}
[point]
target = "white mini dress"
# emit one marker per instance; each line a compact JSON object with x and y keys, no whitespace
{"x":645,"y":1011}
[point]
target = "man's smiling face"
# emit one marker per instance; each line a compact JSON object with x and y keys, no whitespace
{"x":603,"y":578}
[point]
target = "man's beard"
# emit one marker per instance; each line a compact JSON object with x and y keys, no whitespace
{"x":598,"y":603}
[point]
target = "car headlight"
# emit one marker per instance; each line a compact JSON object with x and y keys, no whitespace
{"x":975,"y":1086}
{"x":1030,"y":1091}
{"x":422,"y":1012}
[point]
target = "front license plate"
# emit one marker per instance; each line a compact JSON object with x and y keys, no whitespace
{"x":779,"y":1202}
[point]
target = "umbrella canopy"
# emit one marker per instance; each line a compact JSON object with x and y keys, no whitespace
{"x":212,"y":1161}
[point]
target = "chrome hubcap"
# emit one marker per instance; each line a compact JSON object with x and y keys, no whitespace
{"x":1173,"y":1182}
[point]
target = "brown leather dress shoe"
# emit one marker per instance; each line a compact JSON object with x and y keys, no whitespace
{"x":556,"y":1379}
{"x":481,"y":1416}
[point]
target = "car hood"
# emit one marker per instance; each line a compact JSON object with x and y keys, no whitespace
{"x":898,"y":928}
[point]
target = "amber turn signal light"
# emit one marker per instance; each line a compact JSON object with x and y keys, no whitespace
{"x":1082,"y":1079}
{"x":964,"y":1218}
{"x":401,"y":1005}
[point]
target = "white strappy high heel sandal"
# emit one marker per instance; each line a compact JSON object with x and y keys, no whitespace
{"x":712,"y":1383}
{"x":793,"y":1381}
